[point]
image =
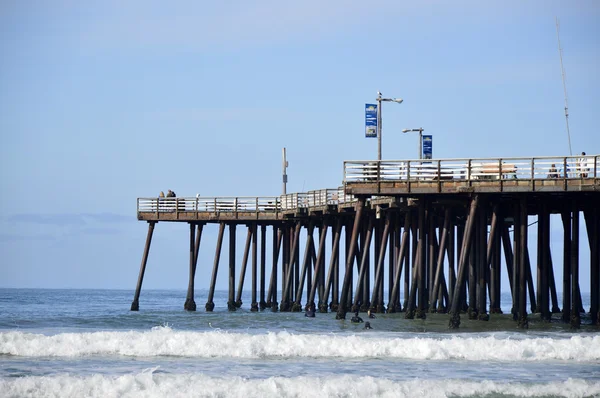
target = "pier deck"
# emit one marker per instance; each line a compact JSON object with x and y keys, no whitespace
{"x":443,"y":226}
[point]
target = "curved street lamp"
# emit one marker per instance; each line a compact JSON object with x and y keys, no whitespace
{"x":379,"y":100}
{"x":420,"y":130}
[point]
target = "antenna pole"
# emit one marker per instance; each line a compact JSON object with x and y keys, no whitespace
{"x":284,"y":165}
{"x":562,"y":71}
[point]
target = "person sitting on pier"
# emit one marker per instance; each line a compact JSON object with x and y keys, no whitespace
{"x":370,"y":315}
{"x":368,"y":325}
{"x":356,"y":318}
{"x":310,"y":311}
{"x":582,"y":166}
{"x":553,"y":173}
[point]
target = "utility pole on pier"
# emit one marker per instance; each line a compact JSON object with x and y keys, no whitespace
{"x":562,"y":71}
{"x":284,"y":166}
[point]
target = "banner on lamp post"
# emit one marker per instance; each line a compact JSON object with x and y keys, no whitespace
{"x":371,"y":120}
{"x":427,"y":147}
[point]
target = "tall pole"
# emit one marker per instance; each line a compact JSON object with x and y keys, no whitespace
{"x":562,"y":72}
{"x":284,"y":166}
{"x":421,"y":143}
{"x":378,"y":126}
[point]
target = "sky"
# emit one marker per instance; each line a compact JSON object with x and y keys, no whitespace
{"x":105,"y":102}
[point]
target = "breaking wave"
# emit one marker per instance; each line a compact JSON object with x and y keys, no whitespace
{"x":150,"y":383}
{"x":164,"y":341}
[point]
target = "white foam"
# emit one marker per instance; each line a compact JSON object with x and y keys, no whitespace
{"x":164,"y":341}
{"x":150,"y":384}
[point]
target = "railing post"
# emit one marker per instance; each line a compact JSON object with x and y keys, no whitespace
{"x":500,"y":175}
{"x":469,"y":172}
{"x":439,"y":174}
{"x":565,"y":173}
{"x":408,"y":175}
{"x":533,"y":174}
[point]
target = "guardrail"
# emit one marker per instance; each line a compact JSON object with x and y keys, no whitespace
{"x":272,"y":204}
{"x":567,"y":167}
{"x":320,"y":197}
{"x":211,"y":205}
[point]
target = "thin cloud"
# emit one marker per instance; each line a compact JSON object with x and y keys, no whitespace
{"x":68,"y":219}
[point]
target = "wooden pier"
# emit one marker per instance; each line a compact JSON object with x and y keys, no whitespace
{"x":444,"y":227}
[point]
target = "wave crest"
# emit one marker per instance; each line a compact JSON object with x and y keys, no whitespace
{"x":150,"y":384}
{"x":164,"y":341}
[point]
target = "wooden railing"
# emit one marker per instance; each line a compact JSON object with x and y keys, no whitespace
{"x":366,"y":171}
{"x":269,"y":204}
{"x":567,"y":167}
{"x":210,"y":205}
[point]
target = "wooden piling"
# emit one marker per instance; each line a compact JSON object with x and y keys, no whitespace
{"x":190,"y":304}
{"x":135,"y":305}
{"x":575,"y":300}
{"x":331,"y":283}
{"x":297,"y":306}
{"x":254,"y":303}
{"x":238,"y":298}
{"x":465,"y":250}
{"x":210,"y":305}
{"x":394,"y":305}
{"x":341,"y":314}
{"x":522,"y":304}
{"x":231,"y":301}
{"x":376,"y":298}
{"x":566,"y":220}
{"x":319,"y":266}
{"x":263,"y":259}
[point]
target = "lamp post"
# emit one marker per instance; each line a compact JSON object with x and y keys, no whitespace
{"x":379,"y":100}
{"x":420,"y":130}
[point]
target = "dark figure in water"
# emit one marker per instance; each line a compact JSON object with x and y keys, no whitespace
{"x":356,"y":318}
{"x":368,"y":325}
{"x":310,"y":311}
{"x":371,"y":315}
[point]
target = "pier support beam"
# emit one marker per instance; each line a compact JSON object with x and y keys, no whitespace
{"x":287,"y":288}
{"x":575,"y":301}
{"x":422,"y":248}
{"x":592,"y":223}
{"x":190,"y":304}
{"x":135,"y":305}
{"x":263,"y":253}
{"x":523,"y":260}
{"x":363,"y":264}
{"x":376,"y":303}
{"x":439,"y":272}
{"x":331,"y":282}
{"x":210,"y":305}
{"x":238,"y":298}
{"x":394,"y":305}
{"x":272,"y":292}
{"x":231,"y":302}
{"x":254,"y":303}
{"x":341,"y":313}
{"x":297,"y":305}
{"x":566,"y":220}
{"x":464,"y":253}
{"x":319,"y":268}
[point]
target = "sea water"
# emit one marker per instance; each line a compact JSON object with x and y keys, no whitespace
{"x":86,"y":343}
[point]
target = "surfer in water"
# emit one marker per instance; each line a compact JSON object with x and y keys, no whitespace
{"x":356,"y":318}
{"x":310,"y":311}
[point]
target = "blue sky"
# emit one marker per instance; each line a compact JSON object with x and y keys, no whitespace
{"x":104,"y":102}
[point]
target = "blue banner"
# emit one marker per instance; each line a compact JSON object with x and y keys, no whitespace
{"x":427,"y":147}
{"x":370,"y":120}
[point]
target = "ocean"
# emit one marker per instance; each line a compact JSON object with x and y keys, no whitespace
{"x":87,"y":343}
